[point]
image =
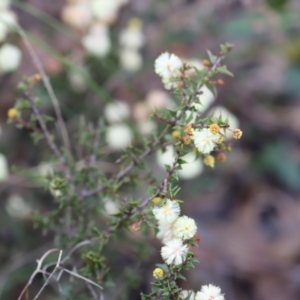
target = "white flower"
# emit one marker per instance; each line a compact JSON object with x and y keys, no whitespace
{"x":116,"y":111}
{"x":8,"y":18}
{"x":131,"y":60}
{"x":4,"y":4}
{"x":167,"y":213}
{"x":192,"y":168}
{"x":209,"y":292}
{"x":131,"y":37}
{"x":118,"y":136}
{"x":206,"y":99}
{"x":3,"y":168}
{"x":185,"y":293}
{"x":170,"y":83}
{"x":185,"y":228}
{"x":10,"y":58}
{"x":77,"y":81}
{"x":167,"y":65}
{"x":77,"y":15}
{"x":97,"y":42}
{"x":174,"y":252}
{"x":204,"y":140}
{"x":17,"y":207}
{"x":158,"y":99}
{"x":111,"y":207}
{"x":165,"y":232}
{"x":105,"y":10}
{"x":226,"y":115}
{"x":165,"y":158}
{"x":146,"y":127}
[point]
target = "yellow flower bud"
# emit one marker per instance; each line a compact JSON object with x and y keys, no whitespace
{"x":156,"y":200}
{"x":209,"y":161}
{"x":214,"y":128}
{"x":220,"y":140}
{"x":12,"y":113}
{"x":135,"y":23}
{"x":176,"y":135}
{"x":186,"y":140}
{"x":189,"y":129}
{"x":237,"y":134}
{"x":158,"y":273}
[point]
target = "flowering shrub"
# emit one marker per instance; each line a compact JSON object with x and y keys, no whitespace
{"x":88,"y":198}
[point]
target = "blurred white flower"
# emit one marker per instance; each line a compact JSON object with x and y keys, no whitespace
{"x":10,"y":58}
{"x":106,"y":10}
{"x":77,"y":81}
{"x":195,"y":62}
{"x":131,"y":60}
{"x":165,"y":231}
{"x":174,"y":252}
{"x":141,"y":111}
{"x":167,"y":213}
{"x":118,"y":136}
{"x":77,"y":15}
{"x":45,"y":169}
{"x":8,"y":18}
{"x":209,"y":292}
{"x":206,"y":99}
{"x":111,"y":207}
{"x":170,"y":83}
{"x":226,"y":115}
{"x":167,"y":65}
{"x":97,"y":41}
{"x":4,"y":4}
{"x":185,"y":293}
{"x":185,"y":228}
{"x":158,"y":99}
{"x":165,"y":158}
{"x":132,"y":36}
{"x":3,"y":168}
{"x":17,"y":207}
{"x":192,"y":168}
{"x":116,"y":111}
{"x":204,"y":140}
{"x":146,"y":127}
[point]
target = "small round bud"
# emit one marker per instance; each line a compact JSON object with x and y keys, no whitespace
{"x":12,"y":113}
{"x":156,"y":200}
{"x":36,"y":78}
{"x":237,"y":134}
{"x":214,"y":128}
{"x":135,"y":226}
{"x":176,"y":135}
{"x":209,"y":161}
{"x":189,"y":129}
{"x":197,"y":238}
{"x":220,"y":82}
{"x":221,"y":157}
{"x":186,"y":140}
{"x":158,"y":273}
{"x":206,"y":63}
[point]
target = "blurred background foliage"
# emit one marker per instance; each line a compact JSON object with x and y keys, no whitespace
{"x":247,"y":208}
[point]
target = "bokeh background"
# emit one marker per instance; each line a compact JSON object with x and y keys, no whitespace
{"x":247,"y":208}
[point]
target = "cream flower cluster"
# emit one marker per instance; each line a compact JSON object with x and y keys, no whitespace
{"x":168,"y":66}
{"x":10,"y":55}
{"x":207,"y":292}
{"x":173,"y":230}
{"x":118,"y":134}
{"x":93,"y":18}
{"x":131,"y":40}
